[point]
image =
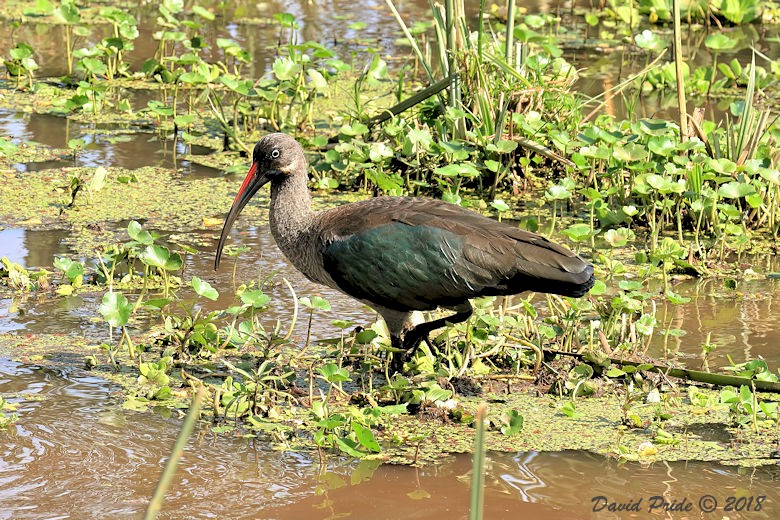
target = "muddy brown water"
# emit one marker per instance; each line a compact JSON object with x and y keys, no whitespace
{"x":74,"y":453}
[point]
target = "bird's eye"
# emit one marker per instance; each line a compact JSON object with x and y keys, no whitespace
{"x":275,"y":154}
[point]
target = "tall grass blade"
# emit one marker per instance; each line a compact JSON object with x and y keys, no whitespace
{"x":477,"y":496}
{"x":178,"y":449}
{"x":411,"y":39}
{"x":678,"y":67}
{"x":510,"y":30}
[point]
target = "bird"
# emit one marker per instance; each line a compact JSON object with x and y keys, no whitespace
{"x":401,"y":254}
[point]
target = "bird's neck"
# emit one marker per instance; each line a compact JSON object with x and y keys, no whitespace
{"x":291,"y":216}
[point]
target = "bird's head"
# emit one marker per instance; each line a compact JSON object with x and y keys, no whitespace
{"x":275,"y":158}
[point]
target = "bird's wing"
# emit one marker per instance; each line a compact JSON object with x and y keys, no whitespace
{"x":408,"y":253}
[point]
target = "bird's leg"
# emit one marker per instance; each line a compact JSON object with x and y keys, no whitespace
{"x":413,"y":338}
{"x":397,"y":362}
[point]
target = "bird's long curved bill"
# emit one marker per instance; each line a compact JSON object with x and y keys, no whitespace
{"x":249,"y":187}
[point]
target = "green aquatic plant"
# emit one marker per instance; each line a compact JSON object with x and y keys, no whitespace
{"x":349,"y":431}
{"x":260,"y":390}
{"x":18,"y":278}
{"x":116,"y":310}
{"x":21,"y":63}
{"x":7,"y":419}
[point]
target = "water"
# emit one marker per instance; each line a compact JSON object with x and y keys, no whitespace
{"x":75,"y":454}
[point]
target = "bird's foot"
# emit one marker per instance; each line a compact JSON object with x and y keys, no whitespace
{"x":408,"y":347}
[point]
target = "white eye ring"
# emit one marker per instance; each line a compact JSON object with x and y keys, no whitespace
{"x":275,"y":154}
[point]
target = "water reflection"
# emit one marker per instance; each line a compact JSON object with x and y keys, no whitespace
{"x":102,"y":147}
{"x":32,"y":248}
{"x":743,"y":323}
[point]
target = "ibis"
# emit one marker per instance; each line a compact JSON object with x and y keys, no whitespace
{"x":401,"y":254}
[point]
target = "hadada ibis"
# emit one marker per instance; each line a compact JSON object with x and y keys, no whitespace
{"x":402,"y":254}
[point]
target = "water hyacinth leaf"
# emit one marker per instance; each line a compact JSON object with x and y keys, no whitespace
{"x":661,"y":145}
{"x":115,"y":309}
{"x":161,"y":258}
{"x":723,"y":166}
{"x":74,"y":271}
{"x":67,"y":13}
{"x":203,"y":13}
{"x":184,"y":120}
{"x":598,"y":288}
{"x":451,"y":197}
{"x":735,"y":190}
{"x":334,"y":374}
{"x":557,"y":192}
{"x":377,"y":71}
{"x":513,"y":423}
{"x":98,"y":179}
{"x":578,"y":232}
{"x":285,"y":69}
{"x":349,"y":447}
{"x":92,"y":66}
{"x":502,"y":146}
{"x":499,"y":205}
{"x":420,"y":139}
{"x":755,"y":200}
{"x":353,"y":130}
{"x":596,"y":152}
{"x":156,"y":303}
{"x":740,"y":11}
{"x":591,"y":193}
{"x":256,"y":298}
{"x":203,"y":288}
{"x":615,"y":372}
{"x":364,"y":337}
{"x":316,"y":80}
{"x":315,"y":302}
{"x":655,"y":181}
{"x":287,"y":20}
{"x":769,"y":175}
{"x":719,"y":42}
{"x":137,"y":233}
{"x":649,"y":41}
{"x":365,"y":437}
{"x":457,"y":170}
{"x":645,"y":324}
{"x":629,"y":152}
{"x":570,"y":410}
{"x":342,"y":324}
{"x":7,"y":148}
{"x":193,"y":78}
{"x":379,"y":151}
{"x":581,"y":372}
{"x":618,"y":237}
{"x":655,"y":127}
{"x":630,"y":285}
{"x":675,"y":298}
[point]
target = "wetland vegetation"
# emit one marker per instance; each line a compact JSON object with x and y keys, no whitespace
{"x":690,"y":193}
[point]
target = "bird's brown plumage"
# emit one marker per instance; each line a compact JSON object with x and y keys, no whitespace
{"x":401,"y":254}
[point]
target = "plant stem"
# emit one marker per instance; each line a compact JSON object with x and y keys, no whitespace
{"x":678,"y":67}
{"x":477,"y":495}
{"x":178,"y":449}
